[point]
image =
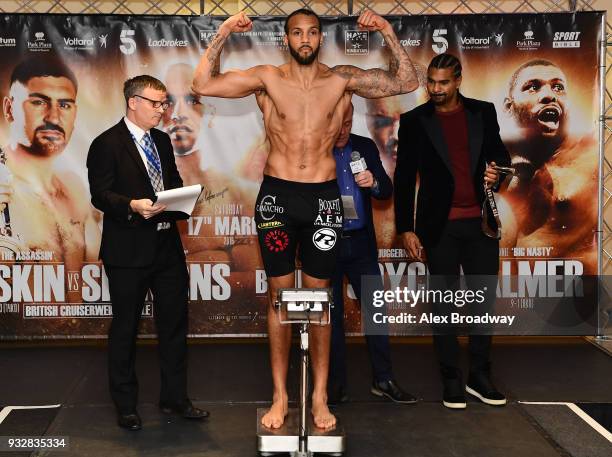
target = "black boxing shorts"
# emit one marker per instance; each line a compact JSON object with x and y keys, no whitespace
{"x":292,"y":216}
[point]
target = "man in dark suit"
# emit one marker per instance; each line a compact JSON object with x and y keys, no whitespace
{"x":453,"y":143}
{"x":141,"y":248}
{"x":358,"y":257}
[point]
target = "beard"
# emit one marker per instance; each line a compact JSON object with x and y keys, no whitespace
{"x":304,"y":60}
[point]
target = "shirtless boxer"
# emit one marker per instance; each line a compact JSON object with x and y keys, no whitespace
{"x":49,"y":210}
{"x":303,"y":103}
{"x":551,"y":197}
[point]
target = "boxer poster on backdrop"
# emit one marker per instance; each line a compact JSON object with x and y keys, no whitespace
{"x":51,"y":283}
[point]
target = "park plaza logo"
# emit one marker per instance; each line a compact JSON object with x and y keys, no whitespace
{"x":566,"y":40}
{"x":40,"y":43}
{"x":356,"y":42}
{"x":7,"y":42}
{"x":529,"y":42}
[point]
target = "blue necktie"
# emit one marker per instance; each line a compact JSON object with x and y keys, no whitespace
{"x":153,"y":163}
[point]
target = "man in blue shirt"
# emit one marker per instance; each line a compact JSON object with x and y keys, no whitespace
{"x":358,"y":256}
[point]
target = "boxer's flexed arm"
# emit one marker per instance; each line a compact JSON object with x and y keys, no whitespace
{"x":375,"y":83}
{"x":233,"y":83}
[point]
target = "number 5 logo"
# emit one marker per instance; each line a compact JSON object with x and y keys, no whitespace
{"x":129,"y":45}
{"x":440,"y":43}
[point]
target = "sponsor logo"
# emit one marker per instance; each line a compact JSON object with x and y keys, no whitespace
{"x":528,"y":43}
{"x":269,"y":225}
{"x":163,"y":43}
{"x":268,"y":208}
{"x":499,"y":39}
{"x":128,"y":44}
{"x":102,"y":40}
{"x":206,"y":36}
{"x":329,"y":206}
{"x":406,"y":43}
{"x":356,"y":42}
{"x":79,"y":43}
{"x":440,"y":43}
{"x":7,"y":42}
{"x":566,"y":40}
{"x":40,"y":43}
{"x":324,"y":239}
{"x":276,"y":240}
{"x":471,"y":42}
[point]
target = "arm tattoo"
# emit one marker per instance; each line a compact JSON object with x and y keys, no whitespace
{"x":399,"y":79}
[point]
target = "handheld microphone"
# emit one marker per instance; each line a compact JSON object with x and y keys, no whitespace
{"x":358,"y":164}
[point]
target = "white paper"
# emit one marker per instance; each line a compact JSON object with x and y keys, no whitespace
{"x":180,"y":199}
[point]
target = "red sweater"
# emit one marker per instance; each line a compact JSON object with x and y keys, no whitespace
{"x":454,"y":126}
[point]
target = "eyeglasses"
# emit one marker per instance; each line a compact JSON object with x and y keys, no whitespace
{"x":155,"y":103}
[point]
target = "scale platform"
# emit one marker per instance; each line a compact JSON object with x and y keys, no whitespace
{"x":286,"y":439}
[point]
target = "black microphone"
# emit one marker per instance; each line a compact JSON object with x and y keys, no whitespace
{"x":358,"y":164}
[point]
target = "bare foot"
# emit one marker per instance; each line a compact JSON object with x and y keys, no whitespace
{"x":321,"y":415}
{"x":275,"y":416}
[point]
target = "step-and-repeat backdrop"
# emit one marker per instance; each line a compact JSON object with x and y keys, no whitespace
{"x":540,"y":71}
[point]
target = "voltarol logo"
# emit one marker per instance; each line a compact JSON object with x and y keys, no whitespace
{"x":83,"y":44}
{"x":356,"y":42}
{"x":566,"y":40}
{"x":472,"y":42}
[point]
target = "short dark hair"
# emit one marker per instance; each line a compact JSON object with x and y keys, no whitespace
{"x":305,"y":12}
{"x":531,"y":63}
{"x":446,"y":61}
{"x":135,"y":85}
{"x":42,"y":66}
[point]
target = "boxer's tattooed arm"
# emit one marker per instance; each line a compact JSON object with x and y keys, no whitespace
{"x":209,"y":81}
{"x":399,"y":79}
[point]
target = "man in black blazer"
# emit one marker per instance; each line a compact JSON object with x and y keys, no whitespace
{"x":453,"y":143}
{"x":358,"y":257}
{"x":141,"y":248}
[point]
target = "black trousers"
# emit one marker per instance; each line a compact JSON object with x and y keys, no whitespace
{"x":355,"y":261}
{"x":463,"y":244}
{"x":168,"y":280}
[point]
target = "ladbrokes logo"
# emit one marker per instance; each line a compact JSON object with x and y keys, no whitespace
{"x":566,"y":40}
{"x":356,"y":42}
{"x":528,"y":43}
{"x":406,"y":43}
{"x":40,"y":43}
{"x":7,"y":42}
{"x":163,"y":43}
